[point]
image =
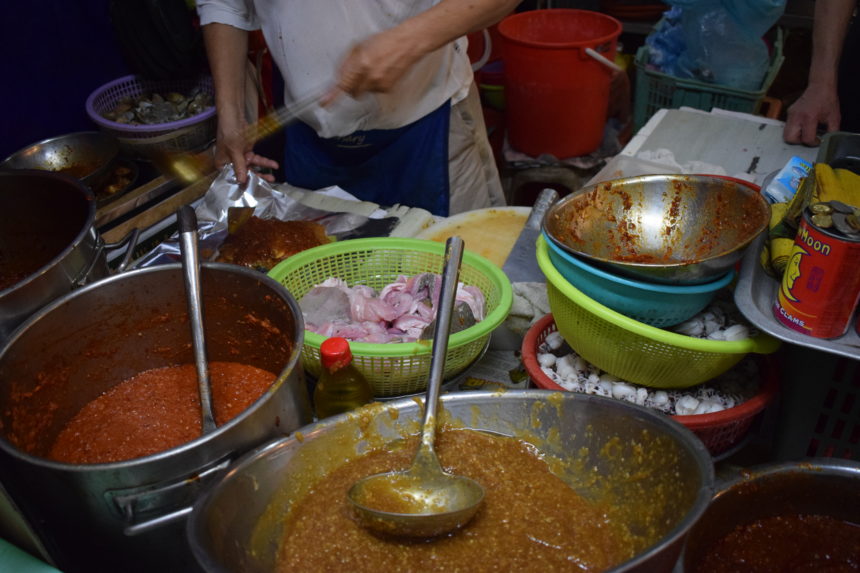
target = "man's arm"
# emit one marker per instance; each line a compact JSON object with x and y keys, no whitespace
{"x":380,"y":61}
{"x":819,"y":103}
{"x":227,"y":49}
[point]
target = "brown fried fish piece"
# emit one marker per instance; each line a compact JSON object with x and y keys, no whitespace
{"x":263,"y":243}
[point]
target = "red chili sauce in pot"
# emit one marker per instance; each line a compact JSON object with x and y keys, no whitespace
{"x":800,"y":543}
{"x":154,"y":411}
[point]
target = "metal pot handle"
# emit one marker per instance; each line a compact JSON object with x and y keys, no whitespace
{"x":131,"y":240}
{"x":146,"y":507}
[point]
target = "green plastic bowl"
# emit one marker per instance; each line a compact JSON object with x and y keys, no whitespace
{"x":632,"y":350}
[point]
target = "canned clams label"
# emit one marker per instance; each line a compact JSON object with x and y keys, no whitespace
{"x":821,"y":284}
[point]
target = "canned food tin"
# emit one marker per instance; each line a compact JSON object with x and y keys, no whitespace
{"x":820,"y":286}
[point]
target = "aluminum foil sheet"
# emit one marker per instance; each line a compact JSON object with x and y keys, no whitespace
{"x":268,"y":202}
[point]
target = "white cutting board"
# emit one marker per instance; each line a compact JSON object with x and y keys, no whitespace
{"x":742,"y":144}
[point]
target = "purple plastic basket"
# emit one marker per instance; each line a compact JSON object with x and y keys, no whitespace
{"x":190,"y":134}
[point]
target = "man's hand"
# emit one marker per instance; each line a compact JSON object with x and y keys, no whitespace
{"x":816,"y":106}
{"x":232,"y":146}
{"x":374,"y":65}
{"x":819,"y":103}
{"x":379,"y":62}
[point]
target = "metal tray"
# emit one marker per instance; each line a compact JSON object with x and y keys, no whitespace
{"x":756,"y":291}
{"x":754,"y":296}
{"x":840,"y":149}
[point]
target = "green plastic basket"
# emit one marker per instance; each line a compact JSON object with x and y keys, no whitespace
{"x":656,"y":90}
{"x":398,"y":368}
{"x":632,"y":350}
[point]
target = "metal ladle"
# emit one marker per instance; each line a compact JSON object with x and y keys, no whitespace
{"x":191,"y":272}
{"x":431,"y":501}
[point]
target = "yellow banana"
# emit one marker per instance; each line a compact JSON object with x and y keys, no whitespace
{"x":801,"y":199}
{"x":835,"y":185}
{"x":777,"y":212}
{"x":772,"y":256}
{"x":764,"y":258}
{"x":824,"y":184}
{"x":849,"y":183}
{"x":780,"y":250}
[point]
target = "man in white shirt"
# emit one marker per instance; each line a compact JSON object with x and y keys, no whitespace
{"x":399,"y":120}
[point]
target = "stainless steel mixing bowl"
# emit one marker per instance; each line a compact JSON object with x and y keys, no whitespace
{"x":86,"y":155}
{"x":238,"y":524}
{"x":672,"y":229}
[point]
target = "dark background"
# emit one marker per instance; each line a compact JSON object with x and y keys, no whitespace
{"x":54,"y":54}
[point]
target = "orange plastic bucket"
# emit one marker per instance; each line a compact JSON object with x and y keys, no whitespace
{"x":556,"y":94}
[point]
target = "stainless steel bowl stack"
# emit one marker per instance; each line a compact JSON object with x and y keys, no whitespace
{"x":670,"y":229}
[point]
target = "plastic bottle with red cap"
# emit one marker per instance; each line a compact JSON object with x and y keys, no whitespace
{"x":341,"y":387}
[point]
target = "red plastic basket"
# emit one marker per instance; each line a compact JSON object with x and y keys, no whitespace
{"x":719,"y":431}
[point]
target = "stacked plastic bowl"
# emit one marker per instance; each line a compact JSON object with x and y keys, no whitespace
{"x":627,"y":259}
{"x":652,"y":303}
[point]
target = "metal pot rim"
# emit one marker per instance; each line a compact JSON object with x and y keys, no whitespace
{"x":88,"y":196}
{"x":697,"y":449}
{"x":809,"y":466}
{"x":182,"y":449}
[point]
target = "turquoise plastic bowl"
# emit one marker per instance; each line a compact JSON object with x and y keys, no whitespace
{"x":654,"y":304}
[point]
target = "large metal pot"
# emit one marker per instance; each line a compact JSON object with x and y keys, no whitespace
{"x":48,"y":244}
{"x":237,"y":525}
{"x":817,"y":486}
{"x":129,"y":515}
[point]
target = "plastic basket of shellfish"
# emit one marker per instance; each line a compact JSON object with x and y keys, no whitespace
{"x":152,"y":116}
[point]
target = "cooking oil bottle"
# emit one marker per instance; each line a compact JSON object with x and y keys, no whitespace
{"x":341,"y":387}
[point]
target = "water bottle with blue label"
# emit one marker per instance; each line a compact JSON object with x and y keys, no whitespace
{"x":784,"y":185}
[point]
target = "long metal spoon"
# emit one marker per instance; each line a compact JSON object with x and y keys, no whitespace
{"x":188,"y":167}
{"x":428,"y":501}
{"x":191,"y":271}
